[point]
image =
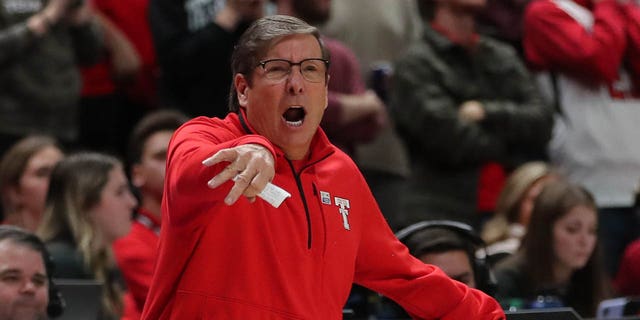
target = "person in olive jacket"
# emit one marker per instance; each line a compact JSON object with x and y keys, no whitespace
{"x":41,"y":45}
{"x":466,"y":105}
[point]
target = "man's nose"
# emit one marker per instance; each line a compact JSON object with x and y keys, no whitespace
{"x":295,"y":81}
{"x":29,"y":287}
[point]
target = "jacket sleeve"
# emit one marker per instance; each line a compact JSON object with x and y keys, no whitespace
{"x":553,"y":40}
{"x":426,"y":116}
{"x":186,"y":177}
{"x":187,"y":54}
{"x":524,"y":119}
{"x":14,"y":40}
{"x":17,"y":38}
{"x":385,"y":265}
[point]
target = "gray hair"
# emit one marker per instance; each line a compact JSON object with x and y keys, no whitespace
{"x":258,"y":39}
{"x":27,"y":239}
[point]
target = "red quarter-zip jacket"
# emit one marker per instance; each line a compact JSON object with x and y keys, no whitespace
{"x":253,"y":261}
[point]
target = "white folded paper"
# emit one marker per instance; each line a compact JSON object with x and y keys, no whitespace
{"x":273,"y":194}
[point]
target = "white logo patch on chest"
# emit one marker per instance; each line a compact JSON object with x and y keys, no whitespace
{"x":343,"y":204}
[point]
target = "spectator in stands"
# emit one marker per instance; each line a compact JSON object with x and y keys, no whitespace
{"x":503,"y":232}
{"x":451,"y":246}
{"x":26,"y":289}
{"x":25,"y":170}
{"x":41,"y":44}
{"x":121,"y":87}
{"x":560,"y":255}
{"x":136,"y":253}
{"x":378,"y":31}
{"x":132,"y":59}
{"x":89,"y":206}
{"x":468,"y":109}
{"x":193,"y":42}
{"x":586,"y":53}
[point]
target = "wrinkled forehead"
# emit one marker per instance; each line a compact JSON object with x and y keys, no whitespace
{"x":271,"y":44}
{"x":11,"y":252}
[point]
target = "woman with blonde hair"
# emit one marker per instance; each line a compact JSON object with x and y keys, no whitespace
{"x":502,"y":233}
{"x":89,"y":206}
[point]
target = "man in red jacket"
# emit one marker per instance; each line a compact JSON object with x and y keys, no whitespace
{"x":316,"y":229}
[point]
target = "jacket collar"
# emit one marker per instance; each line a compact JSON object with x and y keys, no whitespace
{"x":148,"y":220}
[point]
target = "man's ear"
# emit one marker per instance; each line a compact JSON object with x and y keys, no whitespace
{"x":242,"y":87}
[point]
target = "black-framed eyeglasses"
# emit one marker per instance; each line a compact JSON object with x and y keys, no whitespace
{"x":312,"y":69}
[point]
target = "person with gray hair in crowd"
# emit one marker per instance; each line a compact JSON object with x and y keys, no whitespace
{"x":26,"y":289}
{"x":316,"y":229}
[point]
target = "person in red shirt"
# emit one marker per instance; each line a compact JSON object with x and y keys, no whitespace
{"x":585,"y":54}
{"x":121,"y":87}
{"x":136,"y":253}
{"x":316,"y":229}
{"x":627,"y":280}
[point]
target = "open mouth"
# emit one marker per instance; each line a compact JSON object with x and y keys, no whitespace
{"x":294,"y":116}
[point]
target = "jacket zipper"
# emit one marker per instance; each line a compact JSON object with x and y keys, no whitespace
{"x":301,"y":191}
{"x":298,"y":182}
{"x":304,"y":201}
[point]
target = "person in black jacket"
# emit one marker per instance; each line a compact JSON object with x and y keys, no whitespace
{"x":193,"y":41}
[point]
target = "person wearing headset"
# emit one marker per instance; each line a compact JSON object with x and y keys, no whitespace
{"x":449,"y":245}
{"x":26,"y":289}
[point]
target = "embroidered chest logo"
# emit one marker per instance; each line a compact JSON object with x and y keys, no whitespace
{"x":325,"y":197}
{"x":343,"y":204}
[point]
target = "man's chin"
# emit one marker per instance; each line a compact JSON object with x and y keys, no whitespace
{"x":28,"y":313}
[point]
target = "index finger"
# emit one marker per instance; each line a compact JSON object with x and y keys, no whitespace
{"x":220,"y":156}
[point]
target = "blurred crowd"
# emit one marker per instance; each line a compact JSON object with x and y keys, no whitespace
{"x":499,"y":137}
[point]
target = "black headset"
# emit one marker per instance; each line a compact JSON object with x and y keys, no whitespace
{"x":56,"y":305}
{"x":483,"y":275}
